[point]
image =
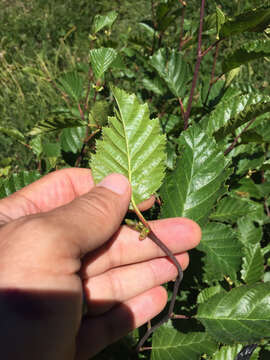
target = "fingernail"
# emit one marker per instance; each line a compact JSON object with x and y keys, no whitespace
{"x":115,"y":182}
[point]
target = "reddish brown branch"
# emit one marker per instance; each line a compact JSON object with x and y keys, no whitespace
{"x":231,"y":147}
{"x":197,"y":67}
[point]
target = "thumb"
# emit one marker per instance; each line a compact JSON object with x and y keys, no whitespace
{"x":90,"y":220}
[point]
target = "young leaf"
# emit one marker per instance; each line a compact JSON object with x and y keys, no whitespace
{"x":101,"y":59}
{"x":133,"y":146}
{"x":172,"y":68}
{"x":198,"y":179}
{"x":101,"y":21}
{"x":241,"y":315}
{"x":72,"y":84}
{"x":168,"y":343}
{"x":17,"y":181}
{"x":220,"y":20}
{"x":222,"y":252}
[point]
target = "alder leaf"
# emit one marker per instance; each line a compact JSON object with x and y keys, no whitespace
{"x":222,"y":252}
{"x":241,"y":315}
{"x":173,"y":69}
{"x":168,"y":343}
{"x":101,"y":59}
{"x":231,"y":353}
{"x":17,"y":181}
{"x":132,"y":145}
{"x":197,"y":182}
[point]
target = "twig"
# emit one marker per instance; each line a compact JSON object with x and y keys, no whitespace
{"x":90,"y":78}
{"x":182,"y":108}
{"x":197,"y":67}
{"x":178,"y":280}
{"x":231,"y":147}
{"x":85,"y":141}
{"x":182,"y":25}
{"x":211,"y":47}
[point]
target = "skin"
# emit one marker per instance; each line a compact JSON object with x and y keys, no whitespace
{"x":61,"y":238}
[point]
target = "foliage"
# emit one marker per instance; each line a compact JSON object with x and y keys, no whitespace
{"x":183,"y":112}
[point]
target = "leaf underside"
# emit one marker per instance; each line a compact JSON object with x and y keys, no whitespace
{"x":133,"y":146}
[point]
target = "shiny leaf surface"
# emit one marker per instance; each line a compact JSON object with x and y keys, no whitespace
{"x":133,"y":146}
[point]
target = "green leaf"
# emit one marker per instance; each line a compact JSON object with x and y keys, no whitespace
{"x":198,"y":179}
{"x":251,"y":20}
{"x":51,"y":150}
{"x":155,"y":85}
{"x":72,"y":84}
{"x":249,"y":234}
{"x":252,"y":50}
{"x":231,"y":352}
{"x":17,"y":181}
{"x":72,"y":139}
{"x":36,"y":145}
{"x":231,"y":208}
{"x":241,"y":315}
{"x":173,"y":69}
{"x":98,"y":115}
{"x":13,"y":133}
{"x":253,"y":264}
{"x":168,"y":343}
{"x":133,"y":146}
{"x":222,"y":252}
{"x":253,"y":261}
{"x":235,"y":112}
{"x":220,"y":20}
{"x":101,"y":21}
{"x":101,"y":59}
{"x":55,"y":123}
{"x":205,"y":294}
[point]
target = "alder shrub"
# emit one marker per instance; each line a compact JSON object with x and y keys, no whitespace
{"x":171,"y":108}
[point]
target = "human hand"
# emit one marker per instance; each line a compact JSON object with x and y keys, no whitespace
{"x":61,"y":237}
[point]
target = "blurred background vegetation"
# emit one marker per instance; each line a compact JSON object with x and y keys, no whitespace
{"x":42,"y":39}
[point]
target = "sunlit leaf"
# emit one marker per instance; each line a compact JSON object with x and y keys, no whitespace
{"x":55,"y":123}
{"x":101,"y":21}
{"x":133,"y":146}
{"x":252,"y":50}
{"x":72,"y":139}
{"x":173,"y":69}
{"x":13,"y":133}
{"x":241,"y":315}
{"x":17,"y":181}
{"x":101,"y":59}
{"x":198,"y":179}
